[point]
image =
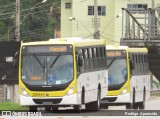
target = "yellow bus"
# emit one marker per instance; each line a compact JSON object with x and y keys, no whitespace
{"x":128,"y":77}
{"x":63,"y":72}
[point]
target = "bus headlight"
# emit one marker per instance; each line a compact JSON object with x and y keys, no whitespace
{"x":70,"y":91}
{"x":124,"y":91}
{"x":24,"y":92}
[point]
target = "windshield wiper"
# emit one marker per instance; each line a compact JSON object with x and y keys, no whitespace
{"x":54,"y":61}
{"x":43,"y":66}
{"x":111,"y":62}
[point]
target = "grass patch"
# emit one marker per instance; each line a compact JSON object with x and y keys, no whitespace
{"x":11,"y":106}
{"x":157,"y":84}
{"x":155,"y":94}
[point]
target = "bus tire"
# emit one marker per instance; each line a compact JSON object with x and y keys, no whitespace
{"x":83,"y":96}
{"x":103,"y":106}
{"x":32,"y":108}
{"x":142,"y":104}
{"x":129,"y":106}
{"x":54,"y":108}
{"x":94,"y":106}
{"x":134,"y":104}
{"x":77,"y":108}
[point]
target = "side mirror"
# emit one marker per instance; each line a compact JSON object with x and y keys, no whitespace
{"x":132,"y":65}
{"x":80,"y":61}
{"x":16,"y":59}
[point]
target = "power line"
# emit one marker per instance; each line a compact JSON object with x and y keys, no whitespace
{"x":31,"y":13}
{"x":7,"y":6}
{"x":23,"y":10}
{"x":109,"y":39}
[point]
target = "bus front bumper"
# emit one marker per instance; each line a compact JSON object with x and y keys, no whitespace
{"x":40,"y":101}
{"x":125,"y":98}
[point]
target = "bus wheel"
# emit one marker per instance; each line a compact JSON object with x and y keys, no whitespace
{"x":129,"y":106}
{"x":103,"y":106}
{"x":32,"y":108}
{"x":142,"y":104}
{"x":135,"y":106}
{"x":94,"y":106}
{"x":54,"y":108}
{"x":97,"y":103}
{"x":88,"y":106}
{"x":77,"y":108}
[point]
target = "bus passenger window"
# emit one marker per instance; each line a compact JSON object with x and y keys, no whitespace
{"x":80,"y":60}
{"x":132,"y":66}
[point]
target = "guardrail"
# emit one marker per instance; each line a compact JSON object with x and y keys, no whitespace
{"x":155,"y":92}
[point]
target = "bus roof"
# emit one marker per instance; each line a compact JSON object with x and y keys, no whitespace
{"x":129,"y":49}
{"x":77,"y":42}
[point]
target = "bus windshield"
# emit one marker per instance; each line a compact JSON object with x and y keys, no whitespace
{"x":117,"y":72}
{"x":117,"y":69}
{"x":42,"y":69}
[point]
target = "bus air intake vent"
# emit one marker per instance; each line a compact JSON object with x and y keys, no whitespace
{"x":41,"y":101}
{"x":110,"y":99}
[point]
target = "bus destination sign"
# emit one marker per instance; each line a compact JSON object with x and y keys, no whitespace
{"x":115,"y":53}
{"x":47,"y":49}
{"x":58,"y":48}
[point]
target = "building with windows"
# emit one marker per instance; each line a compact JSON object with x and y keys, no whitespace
{"x":77,"y":17}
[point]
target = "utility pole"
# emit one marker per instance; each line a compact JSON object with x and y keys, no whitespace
{"x":17,"y":31}
{"x":152,"y":4}
{"x":96,"y":25}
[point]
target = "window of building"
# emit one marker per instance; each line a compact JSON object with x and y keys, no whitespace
{"x":90,"y":10}
{"x":101,"y":10}
{"x":68,"y":5}
{"x":137,"y":8}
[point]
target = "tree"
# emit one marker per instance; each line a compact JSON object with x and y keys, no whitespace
{"x":38,"y":21}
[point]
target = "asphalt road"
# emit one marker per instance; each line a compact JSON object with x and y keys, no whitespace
{"x":114,"y":112}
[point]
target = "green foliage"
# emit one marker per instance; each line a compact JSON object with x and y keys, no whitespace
{"x":11,"y":106}
{"x":156,"y":83}
{"x":38,"y":20}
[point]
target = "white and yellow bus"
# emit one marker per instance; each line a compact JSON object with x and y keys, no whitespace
{"x":128,"y":77}
{"x":63,"y":72}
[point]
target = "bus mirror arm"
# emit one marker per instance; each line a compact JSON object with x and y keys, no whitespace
{"x":15,"y":59}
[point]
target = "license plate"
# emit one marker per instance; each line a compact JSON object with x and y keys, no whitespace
{"x":47,"y":103}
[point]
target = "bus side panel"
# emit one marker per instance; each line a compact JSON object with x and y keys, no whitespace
{"x":89,"y":81}
{"x":139,"y":82}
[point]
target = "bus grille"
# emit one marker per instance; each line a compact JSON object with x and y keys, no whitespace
{"x":41,"y":101}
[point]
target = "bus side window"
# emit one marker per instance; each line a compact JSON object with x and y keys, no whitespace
{"x":133,"y":59}
{"x":79,"y":61}
{"x":95,"y":58}
{"x":104,"y":57}
{"x":137,"y":65}
{"x":132,"y":65}
{"x":90,"y":59}
{"x":142,"y":63}
{"x":147,"y":67}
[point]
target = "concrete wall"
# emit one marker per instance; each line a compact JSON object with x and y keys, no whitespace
{"x":83,"y":25}
{"x":9,"y":93}
{"x":66,"y":25}
{"x":1,"y":93}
